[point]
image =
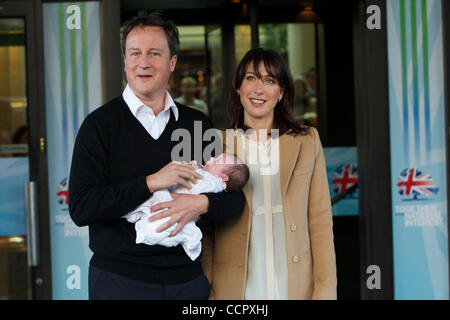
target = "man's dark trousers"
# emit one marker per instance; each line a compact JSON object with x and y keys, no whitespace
{"x":104,"y":285}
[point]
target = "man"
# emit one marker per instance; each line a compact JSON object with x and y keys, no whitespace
{"x":122,"y":155}
{"x":188,"y":90}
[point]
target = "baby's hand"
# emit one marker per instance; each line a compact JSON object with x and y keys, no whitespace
{"x":194,"y":164}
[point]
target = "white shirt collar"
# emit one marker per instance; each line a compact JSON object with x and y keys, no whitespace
{"x":134,"y":103}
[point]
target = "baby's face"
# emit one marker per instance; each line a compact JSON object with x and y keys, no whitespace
{"x":219,"y":165}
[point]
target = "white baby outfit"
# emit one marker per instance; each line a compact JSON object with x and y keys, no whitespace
{"x":190,"y":236}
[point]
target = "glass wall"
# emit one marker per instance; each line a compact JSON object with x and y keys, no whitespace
{"x":13,"y":101}
{"x":188,"y":82}
{"x":14,"y":167}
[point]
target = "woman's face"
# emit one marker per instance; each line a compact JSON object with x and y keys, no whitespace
{"x":259,"y":95}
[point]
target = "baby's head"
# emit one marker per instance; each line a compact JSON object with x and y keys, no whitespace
{"x":230,"y":169}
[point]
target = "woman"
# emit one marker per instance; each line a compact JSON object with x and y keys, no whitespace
{"x":281,"y":247}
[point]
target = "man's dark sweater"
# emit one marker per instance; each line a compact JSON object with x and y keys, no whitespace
{"x":112,"y":156}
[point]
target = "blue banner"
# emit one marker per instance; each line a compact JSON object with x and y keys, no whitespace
{"x":418,"y":152}
{"x":72,"y":90}
{"x":342,"y":172}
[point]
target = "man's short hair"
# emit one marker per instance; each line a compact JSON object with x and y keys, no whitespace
{"x":154,"y":19}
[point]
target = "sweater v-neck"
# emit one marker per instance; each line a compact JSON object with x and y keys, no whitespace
{"x":167,"y":129}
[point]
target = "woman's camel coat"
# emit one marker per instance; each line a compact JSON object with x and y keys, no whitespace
{"x":311,"y":260}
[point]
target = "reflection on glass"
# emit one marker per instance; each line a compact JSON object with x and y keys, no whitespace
{"x":296,"y":43}
{"x":188,"y":95}
{"x":187,"y":84}
{"x":13,"y":100}
{"x":14,"y":272}
{"x":242,"y":41}
{"x":217,"y":96}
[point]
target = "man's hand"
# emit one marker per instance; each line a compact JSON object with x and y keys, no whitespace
{"x":182,"y":209}
{"x":172,"y":174}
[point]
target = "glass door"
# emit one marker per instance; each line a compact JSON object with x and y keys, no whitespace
{"x":14,"y":161}
{"x":24,"y":226}
{"x":187,"y":84}
{"x":216,"y":93}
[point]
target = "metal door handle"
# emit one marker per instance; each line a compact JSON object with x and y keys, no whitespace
{"x":31,"y":205}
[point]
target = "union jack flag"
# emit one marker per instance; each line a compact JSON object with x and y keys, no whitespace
{"x":344,"y":177}
{"x":63,"y":192}
{"x":414,"y":182}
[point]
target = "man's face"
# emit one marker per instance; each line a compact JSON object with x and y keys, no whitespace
{"x":148,"y":64}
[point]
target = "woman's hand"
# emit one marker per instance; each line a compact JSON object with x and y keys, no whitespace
{"x":172,"y":174}
{"x":182,"y":209}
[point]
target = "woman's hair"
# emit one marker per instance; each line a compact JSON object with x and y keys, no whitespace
{"x":276,"y":68}
{"x":154,"y":19}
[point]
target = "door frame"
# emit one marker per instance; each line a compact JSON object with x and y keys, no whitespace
{"x":446,"y":44}
{"x":372,"y":138}
{"x":31,"y":11}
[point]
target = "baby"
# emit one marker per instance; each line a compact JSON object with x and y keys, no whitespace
{"x":226,"y":172}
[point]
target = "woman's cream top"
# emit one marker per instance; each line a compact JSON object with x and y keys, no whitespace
{"x":267,"y":266}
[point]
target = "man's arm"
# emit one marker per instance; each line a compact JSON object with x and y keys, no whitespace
{"x":187,"y":207}
{"x":224,"y":205}
{"x":211,"y":206}
{"x":92,"y":197}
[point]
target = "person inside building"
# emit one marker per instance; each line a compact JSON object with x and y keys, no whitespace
{"x":282,"y":246}
{"x":122,"y":155}
{"x":301,"y":99}
{"x":188,"y":98}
